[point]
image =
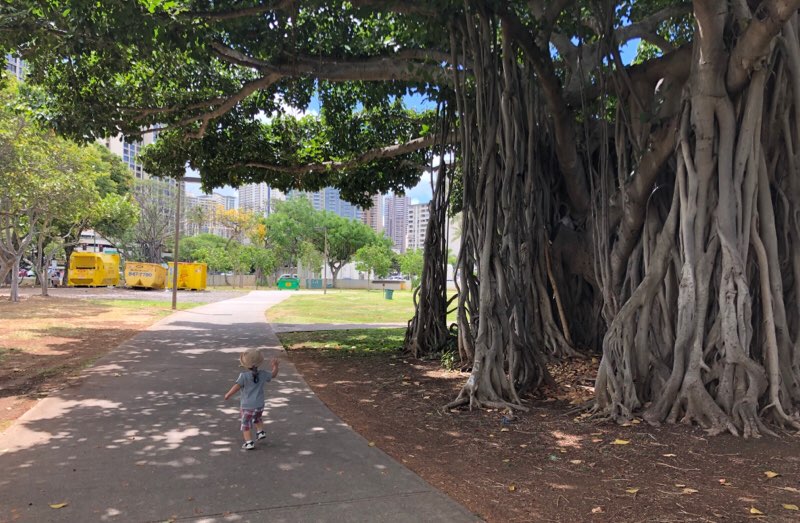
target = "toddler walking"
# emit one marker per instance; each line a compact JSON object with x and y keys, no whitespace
{"x":251,"y":383}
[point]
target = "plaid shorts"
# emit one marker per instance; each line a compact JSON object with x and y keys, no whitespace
{"x":250,"y":417}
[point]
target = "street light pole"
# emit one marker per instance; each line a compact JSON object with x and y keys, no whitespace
{"x":325,"y":266}
{"x":175,"y":248}
{"x":180,"y":182}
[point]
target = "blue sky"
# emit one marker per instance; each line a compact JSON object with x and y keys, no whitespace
{"x":420,"y":193}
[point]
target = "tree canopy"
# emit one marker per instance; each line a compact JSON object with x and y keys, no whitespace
{"x":50,"y":189}
{"x":642,"y":210}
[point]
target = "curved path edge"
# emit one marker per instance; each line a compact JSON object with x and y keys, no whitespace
{"x":147,"y":436}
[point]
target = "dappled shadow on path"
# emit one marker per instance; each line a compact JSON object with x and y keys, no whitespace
{"x":148,"y":436}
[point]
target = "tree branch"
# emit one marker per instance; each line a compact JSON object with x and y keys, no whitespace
{"x":399,"y":66}
{"x":753,"y":46}
{"x":648,"y":26}
{"x":389,"y":151}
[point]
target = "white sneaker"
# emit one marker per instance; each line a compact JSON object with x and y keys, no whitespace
{"x":249,"y":445}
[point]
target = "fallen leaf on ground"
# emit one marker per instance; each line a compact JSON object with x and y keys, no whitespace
{"x":58,"y":505}
{"x":597,"y":510}
{"x":789,"y":506}
{"x":620,"y":442}
{"x":632,"y":490}
{"x":596,"y":440}
{"x":504,"y":430}
{"x":512,"y":488}
{"x":669,"y":455}
{"x":724,"y":481}
{"x":770,"y":474}
{"x":791,"y":489}
{"x":506,"y":460}
{"x":371,"y":443}
{"x":576,"y":461}
{"x":754,"y":510}
{"x":680,"y":485}
{"x":635,"y":421}
{"x":690,"y":491}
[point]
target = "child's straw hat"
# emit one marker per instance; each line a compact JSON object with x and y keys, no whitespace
{"x":251,"y":358}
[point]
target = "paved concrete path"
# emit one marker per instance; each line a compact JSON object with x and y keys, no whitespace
{"x":313,"y":327}
{"x":147,"y":436}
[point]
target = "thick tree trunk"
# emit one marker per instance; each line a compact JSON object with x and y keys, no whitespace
{"x":334,"y":274}
{"x":729,"y":363}
{"x":14,"y":293}
{"x":427,"y":333}
{"x":507,"y":327}
{"x":691,"y":251}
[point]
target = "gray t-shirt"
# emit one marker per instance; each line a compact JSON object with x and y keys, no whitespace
{"x":252,"y":394}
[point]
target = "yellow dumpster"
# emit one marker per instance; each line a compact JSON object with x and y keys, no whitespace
{"x":93,"y":269}
{"x":191,"y":276}
{"x":145,"y":275}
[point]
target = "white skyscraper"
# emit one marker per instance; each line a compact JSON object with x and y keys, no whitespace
{"x":230,"y":202}
{"x":396,"y":221}
{"x":418,"y":216}
{"x":259,"y":198}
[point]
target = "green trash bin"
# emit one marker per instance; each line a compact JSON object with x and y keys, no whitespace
{"x":288,"y":283}
{"x":387,"y":293}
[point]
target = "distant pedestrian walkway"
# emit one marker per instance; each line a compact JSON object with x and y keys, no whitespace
{"x":147,"y":437}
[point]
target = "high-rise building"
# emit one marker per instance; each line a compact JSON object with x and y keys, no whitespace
{"x":129,"y":151}
{"x":328,"y":199}
{"x":374,"y":215}
{"x":230,"y":202}
{"x":202,"y":215}
{"x":259,"y":198}
{"x":16,"y":66}
{"x":396,"y":221}
{"x":418,"y":216}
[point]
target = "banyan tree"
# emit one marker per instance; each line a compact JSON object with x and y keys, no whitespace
{"x":627,"y":173}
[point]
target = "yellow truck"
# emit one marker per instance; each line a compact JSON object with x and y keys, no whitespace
{"x":93,"y":269}
{"x":191,"y":276}
{"x":140,"y":275}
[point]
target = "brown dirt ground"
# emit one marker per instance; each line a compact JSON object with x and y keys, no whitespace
{"x":550,"y":464}
{"x":46,"y":342}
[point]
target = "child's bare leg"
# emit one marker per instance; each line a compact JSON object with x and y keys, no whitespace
{"x":259,"y":427}
{"x":248,"y":436}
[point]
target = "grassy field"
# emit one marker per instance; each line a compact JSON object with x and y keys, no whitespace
{"x":344,"y":306}
{"x":356,"y":342}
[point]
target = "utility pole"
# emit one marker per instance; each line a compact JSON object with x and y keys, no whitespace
{"x":175,"y":248}
{"x":180,"y":182}
{"x":325,"y":266}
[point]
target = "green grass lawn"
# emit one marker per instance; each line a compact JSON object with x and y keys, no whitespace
{"x":344,"y":306}
{"x":356,"y":342}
